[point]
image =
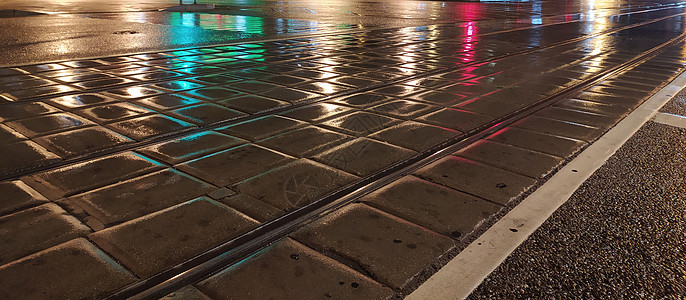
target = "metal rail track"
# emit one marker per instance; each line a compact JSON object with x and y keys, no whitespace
{"x":237,"y":249}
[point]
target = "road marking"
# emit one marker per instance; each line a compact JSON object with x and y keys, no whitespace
{"x":670,"y":119}
{"x":469,"y":268}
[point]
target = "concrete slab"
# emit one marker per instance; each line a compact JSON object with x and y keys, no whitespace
{"x":16,"y":195}
{"x":559,"y":127}
{"x":82,"y":141}
{"x":360,"y":123}
{"x":161,"y":240}
{"x":414,"y":135}
{"x":491,"y":183}
{"x":47,"y":124}
{"x":35,"y":229}
{"x":318,"y":112}
{"x":262,"y":127}
{"x":443,"y":210}
{"x":514,"y":159}
{"x":363,"y":156}
{"x":81,"y":177}
{"x":375,"y":242}
{"x":137,"y":197}
{"x":149,"y":126}
{"x":296,"y":184}
{"x":456,"y":119}
{"x":189,"y":147}
{"x":18,"y":155}
{"x":306,"y":141}
{"x":252,"y":207}
{"x":186,"y":293}
{"x":206,"y":114}
{"x":75,"y":269}
{"x":287,"y":264}
{"x":540,"y":142}
{"x":233,"y":165}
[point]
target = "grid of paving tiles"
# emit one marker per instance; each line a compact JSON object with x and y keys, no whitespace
{"x":232,"y":178}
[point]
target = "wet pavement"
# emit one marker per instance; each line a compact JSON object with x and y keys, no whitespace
{"x":132,"y":164}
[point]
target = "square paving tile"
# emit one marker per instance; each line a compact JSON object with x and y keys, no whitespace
{"x":580,"y":117}
{"x":53,"y":274}
{"x":252,"y":207}
{"x":192,"y":146}
{"x":433,"y":206}
{"x":362,"y":100}
{"x":35,"y":229}
{"x":288,"y":94}
{"x":594,"y":107}
{"x":360,"y":123}
{"x":519,"y":160}
{"x":149,"y":126}
{"x":82,"y":141}
{"x":161,"y":240}
{"x":167,"y":102}
{"x":47,"y":124}
{"x":230,"y":166}
{"x":261,"y":128}
{"x":23,"y":110}
{"x":213,"y":94}
{"x":376,"y":241}
{"x":457,"y":119}
{"x":317,"y":112}
{"x":294,"y":272}
{"x":252,"y":103}
{"x":560,"y":128}
{"x":541,"y":142}
{"x":17,"y":195}
{"x":363,"y":156}
{"x":140,"y":196}
{"x":305,"y":141}
{"x":133,"y":92}
{"x":295,"y":185}
{"x":8,"y":135}
{"x":81,"y":177}
{"x":478,"y":179}
{"x":23,"y":154}
{"x":414,"y":135}
{"x":206,"y":114}
{"x":113,"y":112}
{"x":78,"y":101}
{"x":404,"y":109}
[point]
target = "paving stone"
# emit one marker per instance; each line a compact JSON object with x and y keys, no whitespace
{"x":360,"y":123}
{"x":186,"y":293}
{"x":206,"y":114}
{"x":82,"y":141}
{"x":541,"y":142}
{"x":44,"y":91}
{"x":362,"y":100}
{"x":132,"y":92}
{"x":375,"y":241}
{"x":78,"y":101}
{"x":35,"y":229}
{"x":252,"y":207}
{"x":478,"y":179}
{"x":560,"y":128}
{"x":578,"y":117}
{"x":252,"y":103}
{"x":149,"y":126}
{"x":192,"y":146}
{"x":594,"y":107}
{"x":23,"y":110}
{"x":305,"y":141}
{"x":8,"y":135}
{"x":317,"y":112}
{"x":295,"y":185}
{"x":414,"y":135}
{"x":230,"y":166}
{"x":262,"y":128}
{"x":16,"y":195}
{"x":81,"y":177}
{"x":404,"y":109}
{"x":288,"y":95}
{"x":156,"y":242}
{"x":167,"y":101}
{"x":442,"y":98}
{"x":140,"y":196}
{"x":609,"y":99}
{"x":113,"y":112}
{"x":73,"y":270}
{"x":456,"y":119}
{"x":19,"y":155}
{"x":48,"y":124}
{"x":363,"y":156}
{"x":433,"y":206}
{"x":214,"y":94}
{"x":519,"y":160}
{"x":293,"y":272}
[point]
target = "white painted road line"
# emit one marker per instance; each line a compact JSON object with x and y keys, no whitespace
{"x":468,"y":269}
{"x":670,"y":119}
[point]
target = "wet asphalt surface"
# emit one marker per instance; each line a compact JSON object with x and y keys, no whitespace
{"x":122,"y":167}
{"x":621,"y":235}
